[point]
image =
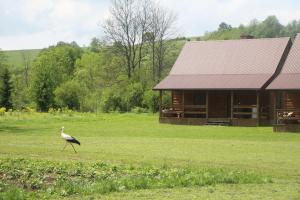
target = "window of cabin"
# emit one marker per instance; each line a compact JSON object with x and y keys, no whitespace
{"x":199,"y":98}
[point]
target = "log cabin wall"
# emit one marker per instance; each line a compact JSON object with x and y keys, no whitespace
{"x":177,"y":100}
{"x":287,"y":102}
{"x":291,"y":100}
{"x":272,"y":107}
{"x":189,"y":98}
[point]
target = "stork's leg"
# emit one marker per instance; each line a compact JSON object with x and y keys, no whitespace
{"x":73,"y":148}
{"x":65,"y":146}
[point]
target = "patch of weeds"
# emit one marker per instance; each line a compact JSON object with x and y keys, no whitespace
{"x":65,"y":179}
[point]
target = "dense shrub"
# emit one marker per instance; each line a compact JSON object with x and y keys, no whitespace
{"x":68,"y":95}
{"x":91,"y":102}
{"x":151,"y":100}
{"x":112,"y":100}
{"x":138,"y":110}
{"x":134,"y":96}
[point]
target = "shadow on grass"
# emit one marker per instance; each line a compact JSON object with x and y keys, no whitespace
{"x":14,"y":129}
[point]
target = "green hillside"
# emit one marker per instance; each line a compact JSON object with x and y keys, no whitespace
{"x":16,"y":58}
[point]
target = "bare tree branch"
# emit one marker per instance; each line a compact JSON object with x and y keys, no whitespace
{"x":131,"y":24}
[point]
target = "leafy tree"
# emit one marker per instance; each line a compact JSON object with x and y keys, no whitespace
{"x":51,"y":68}
{"x":134,"y":96}
{"x":95,"y":45}
{"x":26,"y":59}
{"x":43,"y":86}
{"x":89,"y":69}
{"x":66,"y":56}
{"x":269,"y":28}
{"x":291,"y":29}
{"x":20,"y":94}
{"x":68,"y":95}
{"x":223,"y":27}
{"x":111,"y":100}
{"x":151,"y":100}
{"x":6,"y":90}
{"x":2,"y":59}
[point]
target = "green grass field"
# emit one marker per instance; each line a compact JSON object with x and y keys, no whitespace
{"x":132,"y":156}
{"x":15,"y":58}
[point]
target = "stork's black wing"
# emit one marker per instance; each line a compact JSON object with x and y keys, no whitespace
{"x":73,"y":140}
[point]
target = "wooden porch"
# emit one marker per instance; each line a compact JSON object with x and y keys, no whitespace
{"x":239,"y":108}
{"x":287,"y":111}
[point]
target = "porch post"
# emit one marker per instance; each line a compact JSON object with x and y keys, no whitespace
{"x":274,"y":107}
{"x":257,"y":107}
{"x":206,"y":102}
{"x":231,"y":103}
{"x":183,"y":103}
{"x":160,"y":103}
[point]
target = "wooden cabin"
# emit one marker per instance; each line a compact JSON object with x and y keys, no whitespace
{"x":223,"y":82}
{"x":285,"y":89}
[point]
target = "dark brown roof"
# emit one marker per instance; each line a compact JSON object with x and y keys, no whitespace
{"x":289,"y":78}
{"x":227,"y":64}
{"x":209,"y":81}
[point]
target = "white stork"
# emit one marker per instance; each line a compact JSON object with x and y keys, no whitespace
{"x":69,"y":139}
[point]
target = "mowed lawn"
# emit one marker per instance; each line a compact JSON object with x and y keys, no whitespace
{"x":138,"y":139}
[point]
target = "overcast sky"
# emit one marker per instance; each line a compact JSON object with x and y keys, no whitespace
{"x":30,"y":24}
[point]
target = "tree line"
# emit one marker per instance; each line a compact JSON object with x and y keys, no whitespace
{"x":268,"y":28}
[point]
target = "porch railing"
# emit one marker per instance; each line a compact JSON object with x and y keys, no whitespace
{"x":250,"y":111}
{"x":245,"y":111}
{"x":181,"y":111}
{"x":287,"y":116}
{"x":239,"y":111}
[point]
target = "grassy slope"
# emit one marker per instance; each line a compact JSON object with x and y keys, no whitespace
{"x":15,"y":59}
{"x":137,"y":139}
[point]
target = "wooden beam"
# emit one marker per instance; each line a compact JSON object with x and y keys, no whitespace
{"x":172,"y":98}
{"x":206,"y":102}
{"x":182,"y":103}
{"x":231,"y":104}
{"x":257,"y":107}
{"x":275,"y":107}
{"x":160,"y":103}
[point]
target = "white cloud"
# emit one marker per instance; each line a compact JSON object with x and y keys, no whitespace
{"x":56,"y":20}
{"x":40,"y":23}
{"x":41,"y":39}
{"x":197,"y":16}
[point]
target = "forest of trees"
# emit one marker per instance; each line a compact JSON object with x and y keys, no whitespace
{"x":268,"y":28}
{"x":118,"y":72}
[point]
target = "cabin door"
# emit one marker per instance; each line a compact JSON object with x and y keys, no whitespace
{"x":219,"y":105}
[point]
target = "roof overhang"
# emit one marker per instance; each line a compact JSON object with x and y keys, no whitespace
{"x":214,"y":82}
{"x":285,"y":82}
